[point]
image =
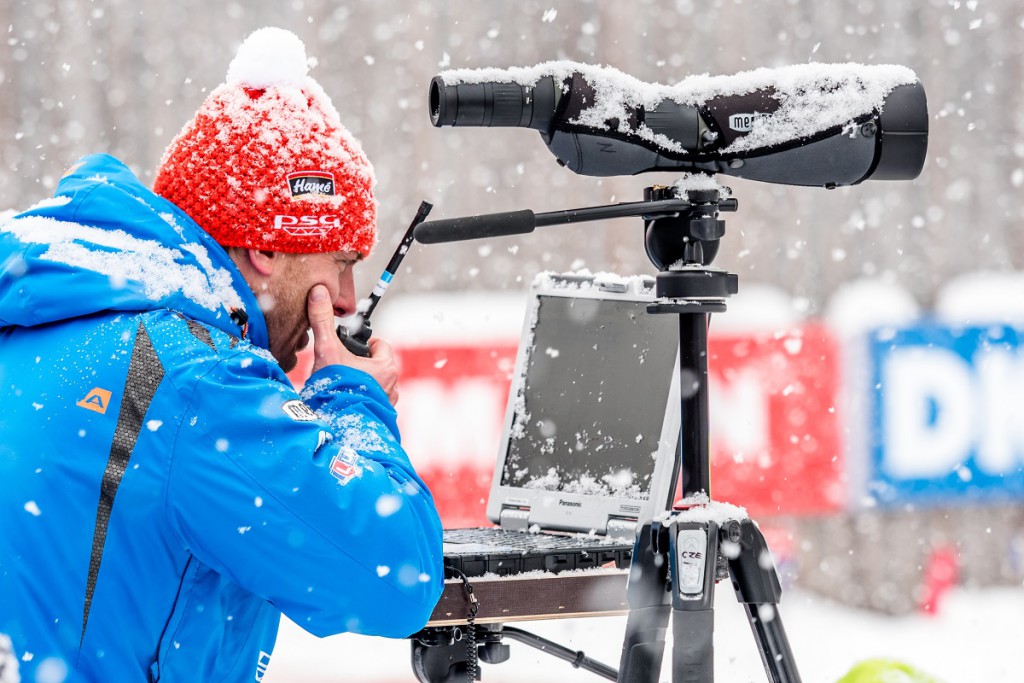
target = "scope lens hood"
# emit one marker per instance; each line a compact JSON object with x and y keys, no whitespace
{"x":903,"y":140}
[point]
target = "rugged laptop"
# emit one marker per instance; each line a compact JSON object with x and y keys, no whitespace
{"x":590,"y":433}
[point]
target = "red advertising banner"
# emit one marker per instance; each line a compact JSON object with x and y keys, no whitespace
{"x":776,"y":430}
{"x":452,"y":411}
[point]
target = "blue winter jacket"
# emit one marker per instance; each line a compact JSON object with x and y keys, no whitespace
{"x":165,"y":494}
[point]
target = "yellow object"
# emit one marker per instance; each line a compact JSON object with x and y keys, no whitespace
{"x":885,"y":671}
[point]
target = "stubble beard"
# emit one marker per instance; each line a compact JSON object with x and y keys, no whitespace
{"x":287,"y":324}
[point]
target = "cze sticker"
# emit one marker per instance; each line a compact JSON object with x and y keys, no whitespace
{"x":298,"y":411}
{"x":344,"y":465}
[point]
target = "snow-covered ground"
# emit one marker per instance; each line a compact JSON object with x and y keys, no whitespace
{"x":973,"y":639}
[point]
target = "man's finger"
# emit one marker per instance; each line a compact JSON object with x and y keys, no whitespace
{"x":320,"y":311}
{"x":380,"y":349}
{"x":327,"y":348}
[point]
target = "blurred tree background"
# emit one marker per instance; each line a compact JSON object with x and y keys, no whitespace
{"x":122,"y":77}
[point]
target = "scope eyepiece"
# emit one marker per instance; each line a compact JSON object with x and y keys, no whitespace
{"x":497,"y":104}
{"x":438,"y":107}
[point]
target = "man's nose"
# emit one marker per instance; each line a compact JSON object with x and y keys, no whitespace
{"x":345,"y":302}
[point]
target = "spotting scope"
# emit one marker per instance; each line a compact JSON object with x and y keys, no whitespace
{"x":822,"y":125}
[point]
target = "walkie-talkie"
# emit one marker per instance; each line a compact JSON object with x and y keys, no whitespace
{"x":357,"y":342}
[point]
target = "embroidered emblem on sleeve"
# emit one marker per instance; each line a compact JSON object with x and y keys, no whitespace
{"x":345,"y":465}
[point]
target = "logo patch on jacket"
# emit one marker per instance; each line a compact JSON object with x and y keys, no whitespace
{"x":298,"y":411}
{"x":311,"y":182}
{"x":96,"y":400}
{"x":345,"y":465}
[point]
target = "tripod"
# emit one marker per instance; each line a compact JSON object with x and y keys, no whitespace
{"x":677,"y":560}
{"x":678,"y":557}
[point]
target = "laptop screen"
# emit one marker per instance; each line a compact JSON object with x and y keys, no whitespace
{"x":592,"y":403}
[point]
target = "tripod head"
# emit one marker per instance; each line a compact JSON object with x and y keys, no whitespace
{"x":692,"y":237}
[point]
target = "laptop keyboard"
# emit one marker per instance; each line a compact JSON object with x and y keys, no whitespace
{"x":479,"y":551}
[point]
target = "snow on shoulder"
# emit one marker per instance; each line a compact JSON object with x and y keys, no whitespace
{"x":161,"y":271}
{"x":812,"y":98}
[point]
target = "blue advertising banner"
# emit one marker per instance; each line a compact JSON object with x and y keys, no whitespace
{"x":947,"y":414}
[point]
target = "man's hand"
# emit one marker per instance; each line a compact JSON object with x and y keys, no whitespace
{"x":328,"y":349}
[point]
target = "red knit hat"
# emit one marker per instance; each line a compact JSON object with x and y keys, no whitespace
{"x":266,"y":163}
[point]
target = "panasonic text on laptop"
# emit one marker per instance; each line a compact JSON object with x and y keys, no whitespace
{"x":590,"y":433}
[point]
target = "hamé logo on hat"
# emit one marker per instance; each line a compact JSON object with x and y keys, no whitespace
{"x":311,"y":182}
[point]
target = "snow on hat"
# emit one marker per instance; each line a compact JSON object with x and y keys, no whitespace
{"x":266,"y":163}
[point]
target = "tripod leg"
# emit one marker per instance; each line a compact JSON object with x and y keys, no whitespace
{"x":693,"y":652}
{"x":773,"y":644}
{"x":757,"y":586}
{"x":694,"y":554}
{"x":644,"y":644}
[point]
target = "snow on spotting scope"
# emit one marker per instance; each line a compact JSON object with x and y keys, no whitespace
{"x":813,"y":124}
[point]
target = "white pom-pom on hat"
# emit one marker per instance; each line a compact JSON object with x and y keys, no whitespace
{"x":269,"y":56}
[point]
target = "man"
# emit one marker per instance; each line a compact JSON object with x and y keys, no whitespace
{"x":166,"y":492}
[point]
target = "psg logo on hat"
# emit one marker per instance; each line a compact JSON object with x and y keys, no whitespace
{"x":311,"y":183}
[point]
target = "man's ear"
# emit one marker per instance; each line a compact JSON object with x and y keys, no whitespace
{"x":263,"y":262}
